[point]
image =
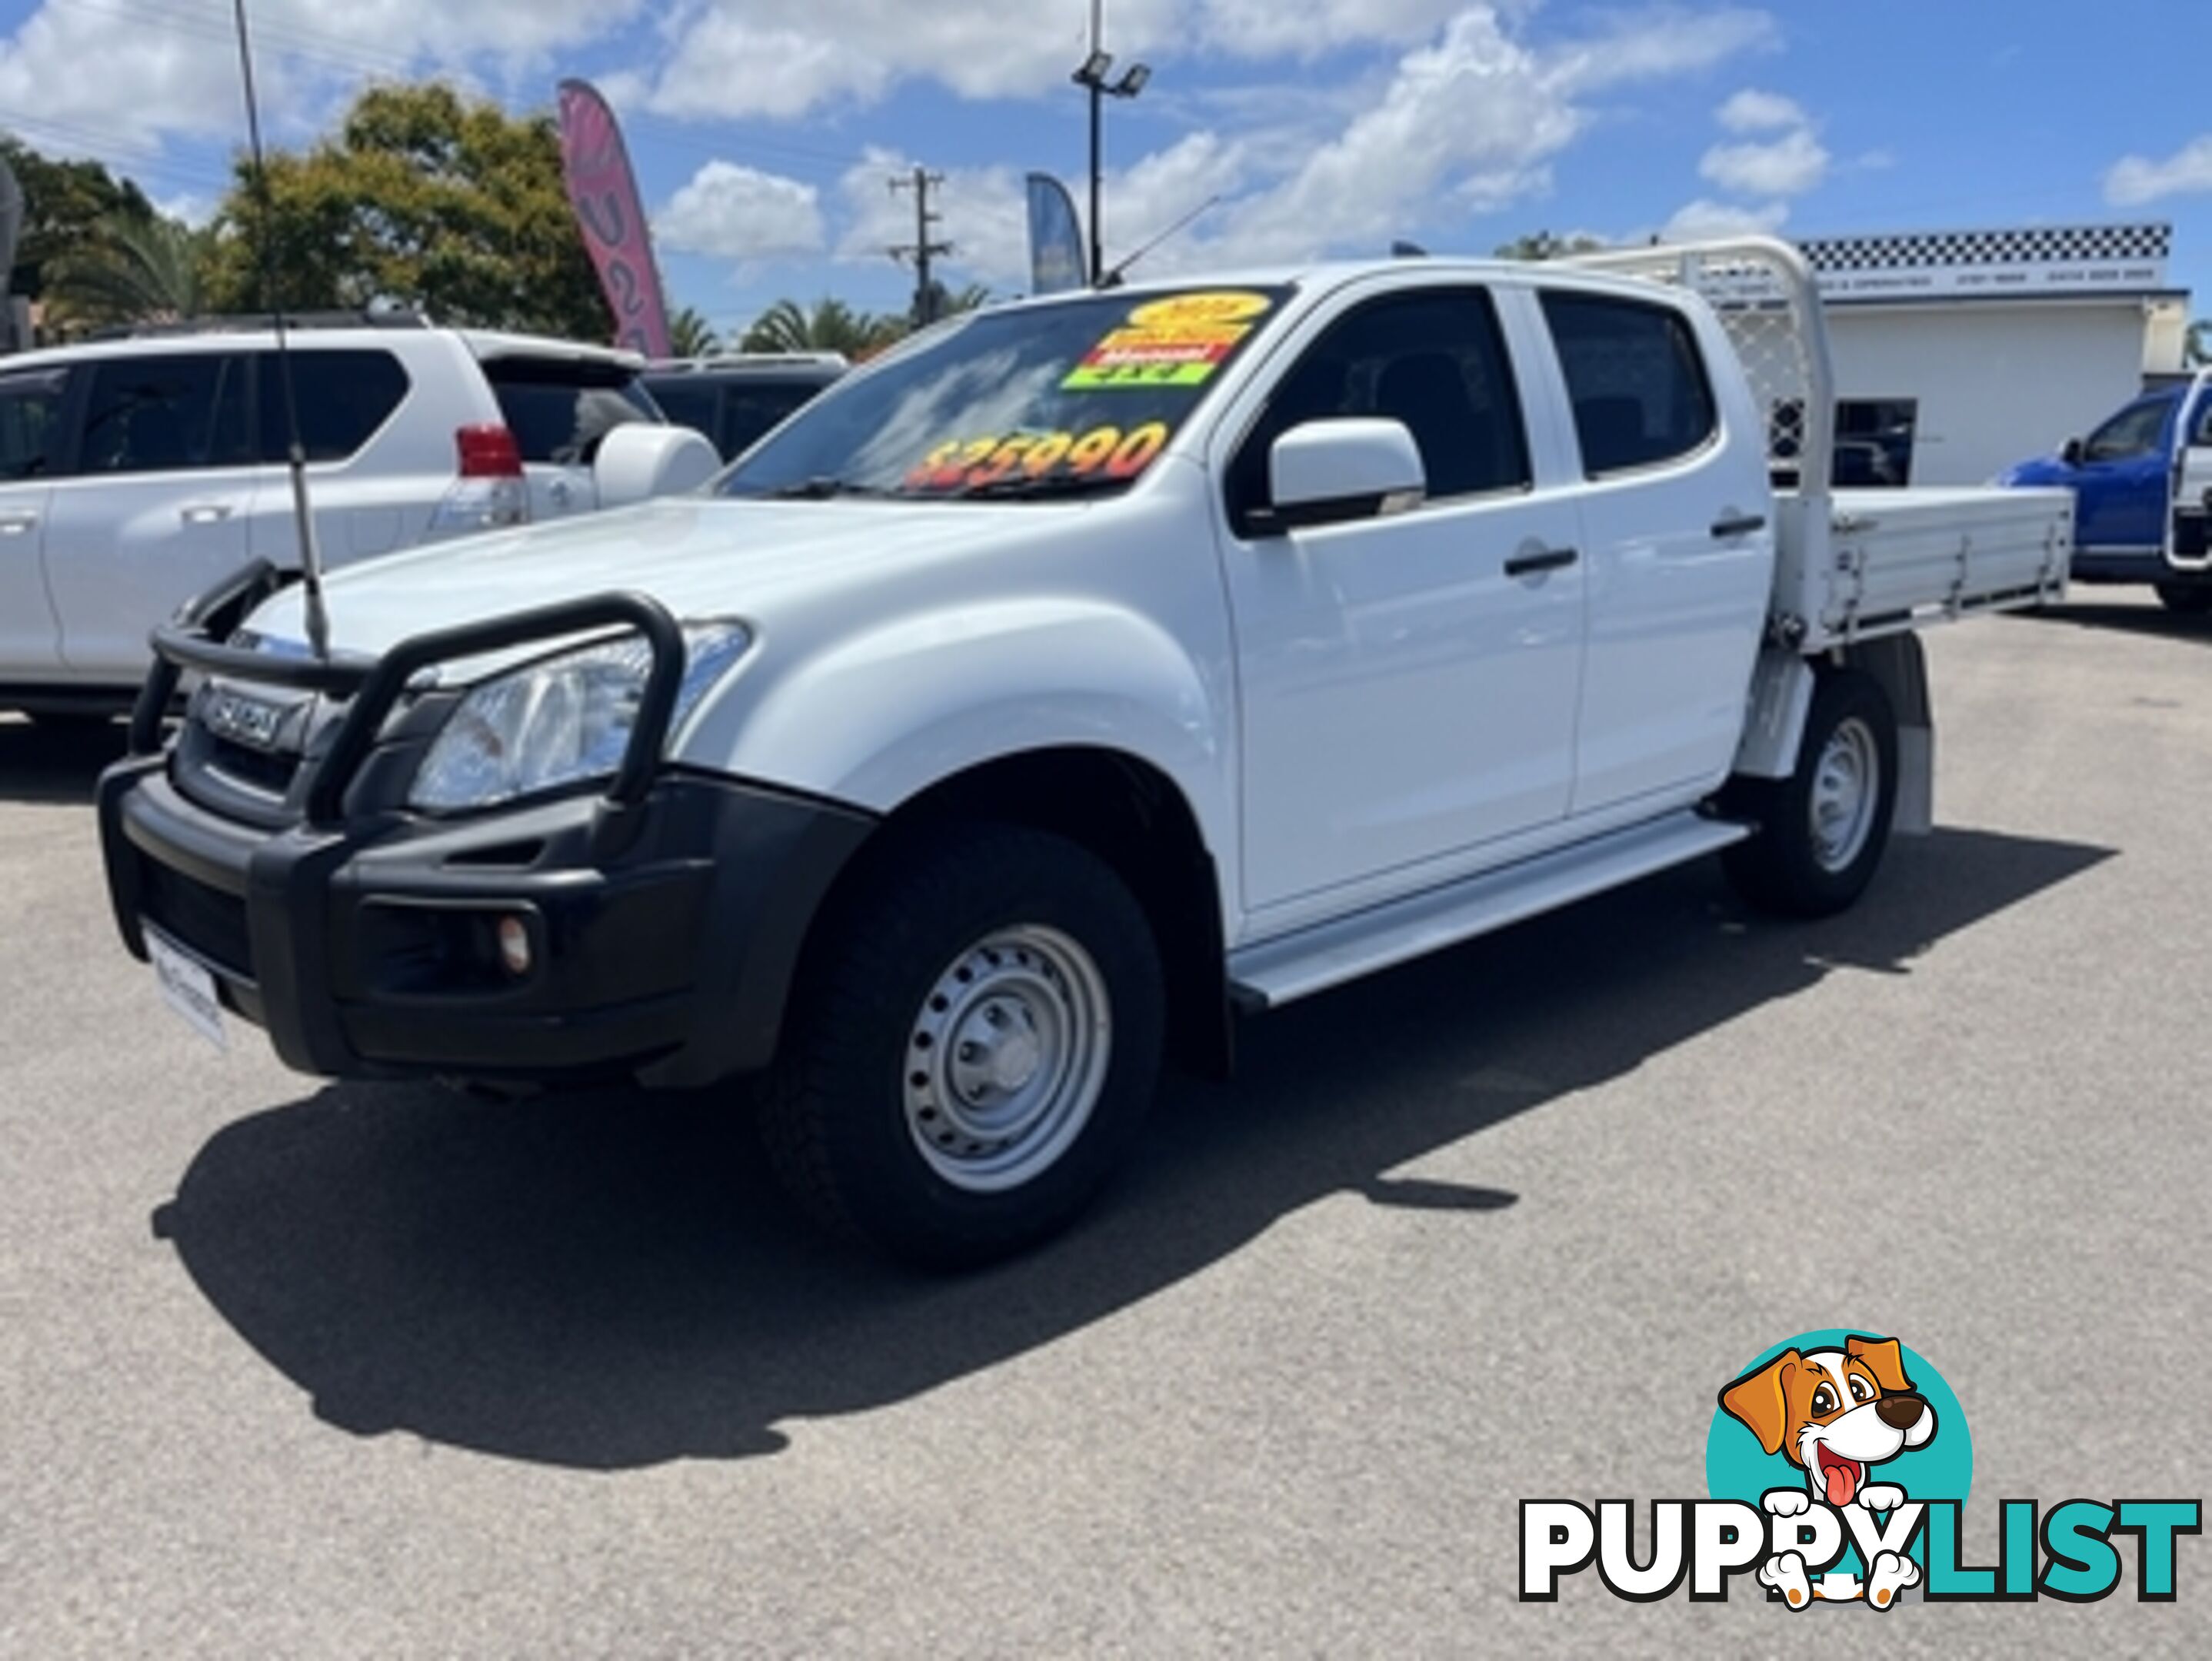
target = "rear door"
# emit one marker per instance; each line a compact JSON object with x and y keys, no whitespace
{"x":558,"y":409}
{"x":32,"y":448}
{"x":1680,"y":554}
{"x":157,"y":508}
{"x":2186,"y":544}
{"x":371,"y":489}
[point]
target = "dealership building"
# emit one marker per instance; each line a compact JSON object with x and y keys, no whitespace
{"x":1958,"y":352}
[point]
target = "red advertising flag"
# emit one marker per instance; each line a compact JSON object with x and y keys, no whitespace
{"x":604,"y":192}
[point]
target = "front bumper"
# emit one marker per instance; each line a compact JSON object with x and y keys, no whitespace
{"x":664,"y":915}
{"x":374,"y":953}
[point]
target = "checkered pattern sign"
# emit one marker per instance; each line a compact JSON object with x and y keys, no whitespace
{"x":2052,"y":244}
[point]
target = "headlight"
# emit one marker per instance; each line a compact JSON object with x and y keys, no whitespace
{"x":560,"y":720}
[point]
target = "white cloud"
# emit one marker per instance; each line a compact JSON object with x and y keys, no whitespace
{"x":740,"y":212}
{"x":1702,"y":219}
{"x":2136,"y":179}
{"x":84,"y":78}
{"x":1754,"y":112}
{"x":728,"y":58}
{"x":1790,"y":165}
{"x":196,"y":212}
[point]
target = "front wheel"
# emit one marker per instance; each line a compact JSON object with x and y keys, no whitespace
{"x":1821,"y":832}
{"x":2188,"y":600}
{"x":972,"y":1049}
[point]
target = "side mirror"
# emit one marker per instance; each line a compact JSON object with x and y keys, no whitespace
{"x":1326,"y":472}
{"x":2071,"y":452}
{"x":639,"y":460}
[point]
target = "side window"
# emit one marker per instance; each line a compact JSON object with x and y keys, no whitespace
{"x":343,"y":398}
{"x":30,"y":424}
{"x":750,"y":412}
{"x":1635,"y":378}
{"x":1434,"y":360}
{"x":2135,"y":431}
{"x":559,"y":409}
{"x":689,"y":400}
{"x":163,"y":414}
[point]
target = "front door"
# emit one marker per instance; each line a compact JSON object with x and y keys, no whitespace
{"x":1403,"y":696}
{"x":2187,"y":545}
{"x":31,"y":447}
{"x":2122,"y":478}
{"x":157,"y":508}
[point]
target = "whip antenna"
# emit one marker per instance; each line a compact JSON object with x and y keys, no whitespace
{"x":311,"y":559}
{"x":1114,"y":275}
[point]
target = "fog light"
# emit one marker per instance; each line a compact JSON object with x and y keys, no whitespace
{"x":514,"y":945}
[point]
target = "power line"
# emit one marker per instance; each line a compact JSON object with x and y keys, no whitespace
{"x":922,"y":250}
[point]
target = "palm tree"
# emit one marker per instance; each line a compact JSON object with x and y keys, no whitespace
{"x":831,"y":326}
{"x":690,"y":336}
{"x":135,"y":268}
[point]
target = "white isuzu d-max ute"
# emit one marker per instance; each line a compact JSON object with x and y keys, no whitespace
{"x":1080,"y":674}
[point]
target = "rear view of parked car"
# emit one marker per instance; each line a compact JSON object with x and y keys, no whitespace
{"x":134,"y":473}
{"x":738,"y":398}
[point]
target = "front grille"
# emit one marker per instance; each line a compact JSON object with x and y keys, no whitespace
{"x":262,"y":769}
{"x":206,"y":920}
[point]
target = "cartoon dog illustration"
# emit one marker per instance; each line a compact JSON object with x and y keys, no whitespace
{"x":1835,"y":1413}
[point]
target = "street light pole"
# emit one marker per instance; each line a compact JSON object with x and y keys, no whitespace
{"x":1091,"y":77}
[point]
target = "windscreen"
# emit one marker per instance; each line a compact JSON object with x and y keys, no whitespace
{"x":1075,"y":397}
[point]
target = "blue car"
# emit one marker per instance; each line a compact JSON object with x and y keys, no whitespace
{"x":2143,"y":493}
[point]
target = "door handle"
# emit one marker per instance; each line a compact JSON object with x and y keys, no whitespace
{"x":204,"y":513}
{"x":1743,"y":524}
{"x":15,"y":524}
{"x":1530,"y":565}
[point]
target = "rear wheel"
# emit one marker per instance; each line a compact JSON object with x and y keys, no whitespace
{"x":972,"y":1049}
{"x":2189,"y":599}
{"x":1821,"y":832}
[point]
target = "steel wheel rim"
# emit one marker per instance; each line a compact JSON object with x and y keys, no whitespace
{"x":1007,"y":1058}
{"x":1846,"y":787}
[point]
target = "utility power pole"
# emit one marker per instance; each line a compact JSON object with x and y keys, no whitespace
{"x":922,"y":250}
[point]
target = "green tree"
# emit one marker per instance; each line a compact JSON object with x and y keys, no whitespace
{"x":426,"y":197}
{"x":1542,"y":244}
{"x":130,"y":267}
{"x":63,"y":201}
{"x":831,"y":326}
{"x":690,"y":336}
{"x":2200,"y":343}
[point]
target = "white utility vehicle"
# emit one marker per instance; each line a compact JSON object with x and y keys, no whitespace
{"x":137,"y":472}
{"x":1076,"y":676}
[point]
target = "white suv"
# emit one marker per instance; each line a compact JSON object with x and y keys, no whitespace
{"x":136,"y":473}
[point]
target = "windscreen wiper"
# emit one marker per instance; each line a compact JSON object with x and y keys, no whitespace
{"x":1052,"y":487}
{"x":821,"y":488}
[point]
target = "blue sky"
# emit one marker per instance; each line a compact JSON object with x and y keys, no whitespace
{"x":763,"y":130}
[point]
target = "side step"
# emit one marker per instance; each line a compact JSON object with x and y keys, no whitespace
{"x":1313,"y":960}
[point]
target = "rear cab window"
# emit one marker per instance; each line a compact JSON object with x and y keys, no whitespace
{"x":559,"y":408}
{"x":1635,"y":378}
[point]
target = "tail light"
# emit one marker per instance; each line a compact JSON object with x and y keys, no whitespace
{"x":492,"y":491}
{"x":489,"y":453}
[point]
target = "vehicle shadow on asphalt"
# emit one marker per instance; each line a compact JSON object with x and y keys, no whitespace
{"x":2121,"y":618}
{"x":608,"y":1282}
{"x":57,"y":763}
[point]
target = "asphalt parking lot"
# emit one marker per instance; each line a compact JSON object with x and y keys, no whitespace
{"x":301,"y":1369}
